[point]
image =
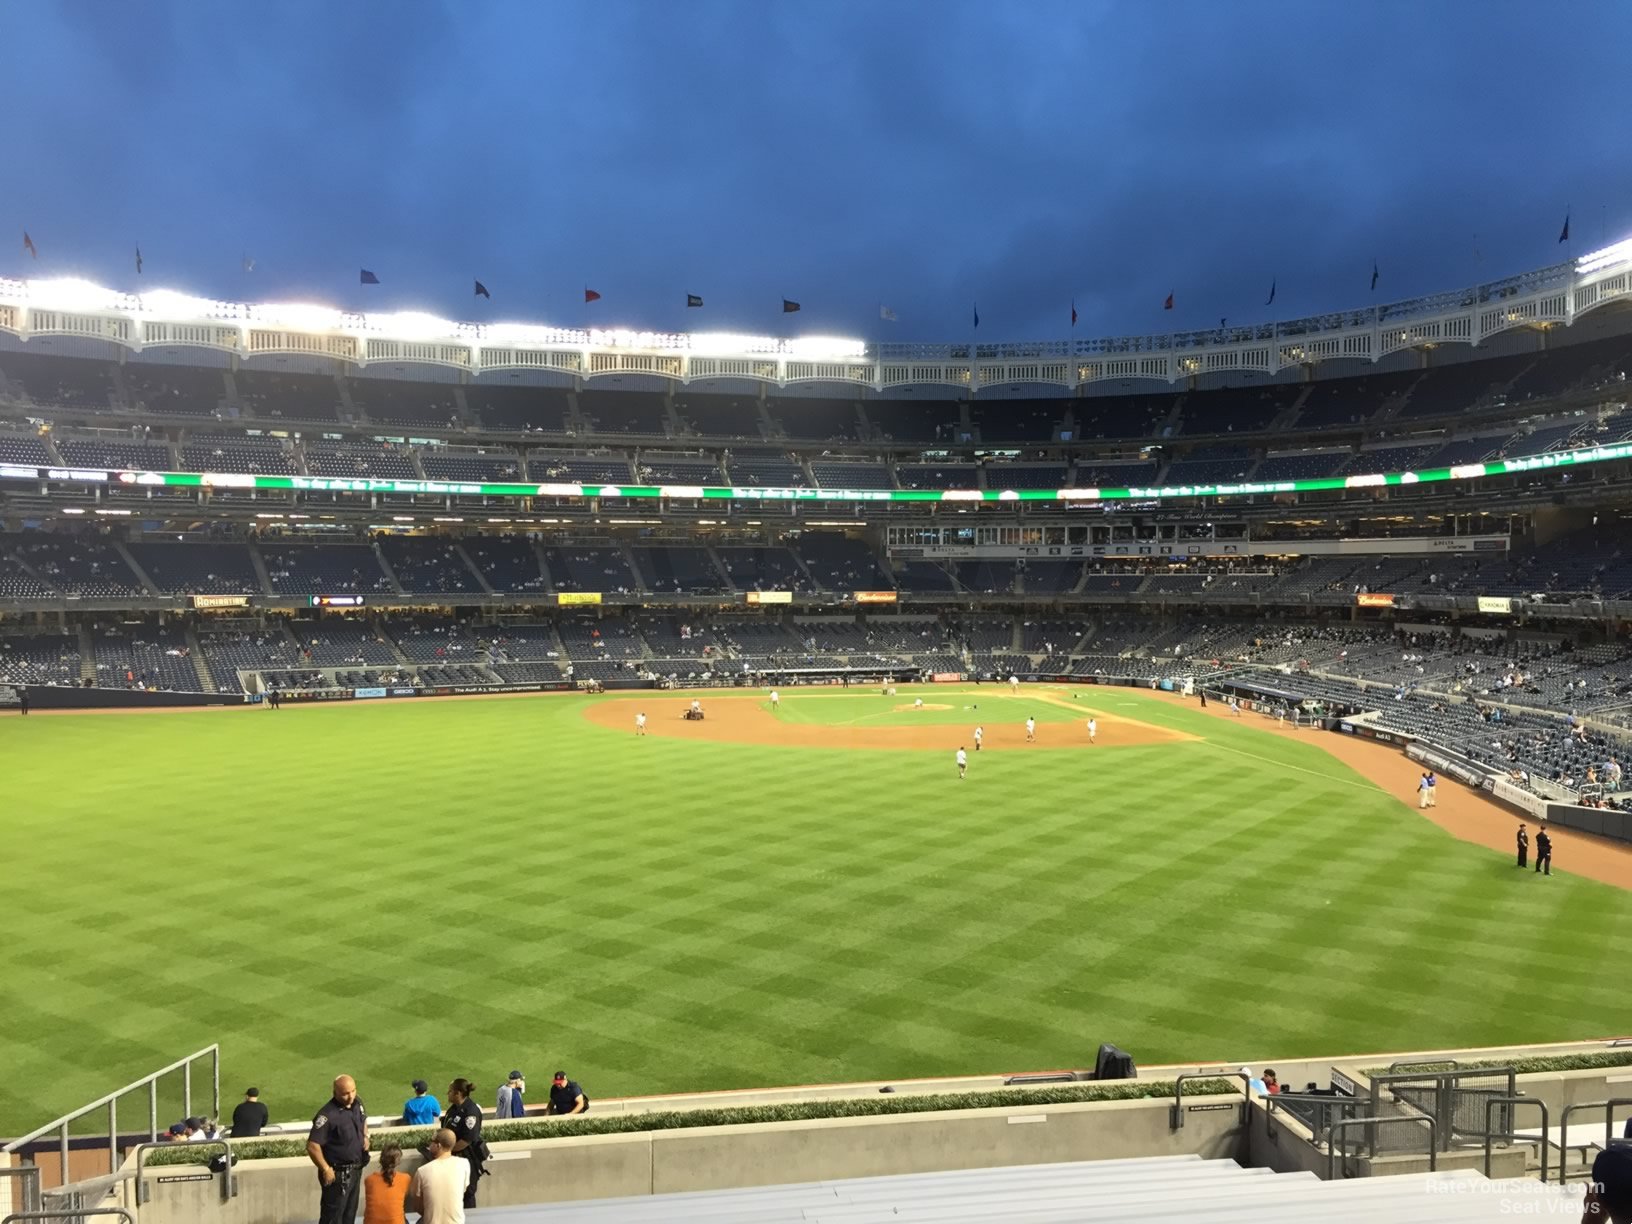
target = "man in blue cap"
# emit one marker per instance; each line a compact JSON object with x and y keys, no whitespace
{"x":510,"y":1104}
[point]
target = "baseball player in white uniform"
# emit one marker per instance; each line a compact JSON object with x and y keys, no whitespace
{"x":1093,"y":729}
{"x":963,"y":763}
{"x":980,"y":734}
{"x":640,"y":724}
{"x":776,"y":699}
{"x":1031,"y":730}
{"x":1014,"y":684}
{"x":917,"y":703}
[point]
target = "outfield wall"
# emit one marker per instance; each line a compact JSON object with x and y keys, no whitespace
{"x":727,"y":1157}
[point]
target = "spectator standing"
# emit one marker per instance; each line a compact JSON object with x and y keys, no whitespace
{"x":338,"y":1145}
{"x":422,"y":1108}
{"x":1544,"y":850}
{"x":22,"y":699}
{"x":464,"y":1120}
{"x":250,"y":1117}
{"x":442,"y":1186}
{"x":510,"y":1103}
{"x":566,"y":1097}
{"x":385,"y":1194}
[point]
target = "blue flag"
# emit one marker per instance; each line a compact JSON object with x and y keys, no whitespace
{"x":481,"y":291}
{"x":977,"y":314}
{"x":368,"y":278}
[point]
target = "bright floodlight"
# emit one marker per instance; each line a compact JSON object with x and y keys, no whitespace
{"x":297,"y":314}
{"x":411,"y":325}
{"x":176,"y":305}
{"x":71,"y":294}
{"x":1608,"y":257}
{"x":820,"y":348}
{"x":728,"y":344}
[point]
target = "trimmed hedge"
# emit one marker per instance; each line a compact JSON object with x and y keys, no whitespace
{"x":792,"y":1111}
{"x":1540,"y":1063}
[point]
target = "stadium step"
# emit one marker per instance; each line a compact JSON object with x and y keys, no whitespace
{"x":261,"y":575}
{"x":148,"y":585}
{"x":391,"y":574}
{"x":195,"y":652}
{"x":481,"y":579}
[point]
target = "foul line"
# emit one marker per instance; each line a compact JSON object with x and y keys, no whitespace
{"x":1359,"y":782}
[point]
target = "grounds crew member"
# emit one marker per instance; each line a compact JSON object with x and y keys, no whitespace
{"x":338,"y":1146}
{"x":464,"y":1119}
{"x":1544,"y":850}
{"x":1524,"y":845}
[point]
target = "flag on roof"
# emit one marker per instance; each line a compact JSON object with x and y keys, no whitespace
{"x":249,"y":264}
{"x":888,"y":315}
{"x":481,"y":291}
{"x":28,"y":245}
{"x":1564,"y":234}
{"x":789,"y":307}
{"x":1073,"y":312}
{"x":977,"y":314}
{"x":590,"y":295}
{"x":366,"y":277}
{"x":138,"y":261}
{"x":693,"y":300}
{"x":1168,"y":305}
{"x":1272,"y":285}
{"x":1374,"y":275}
{"x":1223,"y":323}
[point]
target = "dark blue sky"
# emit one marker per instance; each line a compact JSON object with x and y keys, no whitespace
{"x":922,"y":155}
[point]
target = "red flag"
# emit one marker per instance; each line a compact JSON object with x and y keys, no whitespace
{"x":591,"y":296}
{"x":1168,"y":305}
{"x":1073,"y":314}
{"x":28,"y":245}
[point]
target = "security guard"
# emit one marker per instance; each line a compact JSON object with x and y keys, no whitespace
{"x":338,"y":1146}
{"x":464,"y":1119}
{"x":1544,"y":850}
{"x":1524,"y":846}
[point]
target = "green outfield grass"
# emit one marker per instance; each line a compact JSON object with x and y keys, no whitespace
{"x":462,"y":887}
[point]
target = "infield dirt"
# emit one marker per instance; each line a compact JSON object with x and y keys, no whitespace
{"x":745,"y":720}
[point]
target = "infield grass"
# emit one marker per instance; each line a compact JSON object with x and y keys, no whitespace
{"x":451,"y":888}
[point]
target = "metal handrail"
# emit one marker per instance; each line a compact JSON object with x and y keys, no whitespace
{"x":111,"y":1100}
{"x":70,"y":1213}
{"x":140,"y":1151}
{"x":1564,"y":1123}
{"x":29,"y":1175}
{"x":1175,"y":1117}
{"x":1331,"y":1139}
{"x":1546,"y":1130}
{"x":1449,"y":1063}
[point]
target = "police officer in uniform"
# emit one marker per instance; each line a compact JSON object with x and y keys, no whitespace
{"x":464,"y":1119}
{"x":338,"y":1145}
{"x":1524,"y":846}
{"x":1544,"y":850}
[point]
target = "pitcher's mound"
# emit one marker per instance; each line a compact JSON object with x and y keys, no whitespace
{"x":928,"y":705}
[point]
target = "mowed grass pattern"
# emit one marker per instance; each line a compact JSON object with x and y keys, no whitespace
{"x":456,"y":888}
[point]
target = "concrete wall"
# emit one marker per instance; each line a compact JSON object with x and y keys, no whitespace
{"x":712,"y":1158}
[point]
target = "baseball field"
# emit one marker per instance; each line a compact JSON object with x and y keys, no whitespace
{"x":433,"y":888}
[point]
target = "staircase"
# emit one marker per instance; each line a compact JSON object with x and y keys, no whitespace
{"x":195,"y":652}
{"x":87,"y":656}
{"x":385,"y":565}
{"x":348,"y":406}
{"x":148,"y":585}
{"x":1166,"y":428}
{"x":543,"y":567}
{"x":471,"y":566}
{"x":719,"y":568}
{"x":259,"y":562}
{"x":640,"y":579}
{"x":1284,"y":418}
